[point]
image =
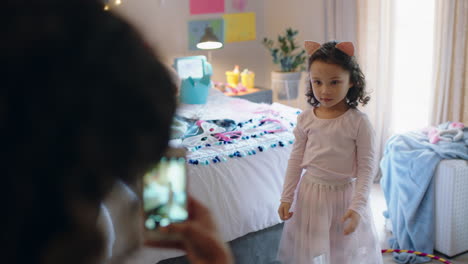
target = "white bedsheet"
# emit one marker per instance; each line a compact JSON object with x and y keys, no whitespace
{"x":242,"y":193}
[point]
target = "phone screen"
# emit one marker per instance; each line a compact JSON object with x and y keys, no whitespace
{"x":164,"y":193}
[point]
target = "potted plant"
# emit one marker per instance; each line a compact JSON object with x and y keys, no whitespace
{"x":291,"y":59}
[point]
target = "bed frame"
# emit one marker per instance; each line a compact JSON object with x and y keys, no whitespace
{"x":258,"y":247}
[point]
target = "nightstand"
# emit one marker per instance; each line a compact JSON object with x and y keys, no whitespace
{"x":256,"y":95}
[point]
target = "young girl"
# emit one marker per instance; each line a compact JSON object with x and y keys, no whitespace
{"x":332,"y":222}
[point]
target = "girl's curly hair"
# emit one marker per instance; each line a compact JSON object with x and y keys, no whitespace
{"x":328,"y":53}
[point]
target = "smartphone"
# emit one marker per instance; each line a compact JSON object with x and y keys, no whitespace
{"x":165,"y":194}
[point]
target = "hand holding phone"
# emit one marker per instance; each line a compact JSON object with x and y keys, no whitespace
{"x":172,"y":220}
{"x":200,"y":239}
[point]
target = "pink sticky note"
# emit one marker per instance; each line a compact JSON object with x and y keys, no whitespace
{"x":198,"y":7}
{"x":239,"y":4}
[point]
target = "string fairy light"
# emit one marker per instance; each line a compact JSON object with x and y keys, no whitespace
{"x":107,"y":5}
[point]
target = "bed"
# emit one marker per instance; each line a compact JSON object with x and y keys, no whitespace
{"x":239,"y":174}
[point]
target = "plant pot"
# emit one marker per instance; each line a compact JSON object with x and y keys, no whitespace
{"x":285,"y":84}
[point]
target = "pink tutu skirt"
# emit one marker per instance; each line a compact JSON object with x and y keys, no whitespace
{"x":314,"y":234}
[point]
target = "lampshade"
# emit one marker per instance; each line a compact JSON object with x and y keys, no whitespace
{"x":209,"y":40}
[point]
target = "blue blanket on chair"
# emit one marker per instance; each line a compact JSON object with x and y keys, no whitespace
{"x":407,"y":168}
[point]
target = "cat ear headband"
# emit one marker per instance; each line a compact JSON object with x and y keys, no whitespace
{"x":346,"y":47}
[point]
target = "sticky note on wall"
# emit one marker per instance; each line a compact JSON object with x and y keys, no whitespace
{"x":198,"y":7}
{"x":239,"y":27}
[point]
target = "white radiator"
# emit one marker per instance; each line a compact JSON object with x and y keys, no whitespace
{"x":451,"y":207}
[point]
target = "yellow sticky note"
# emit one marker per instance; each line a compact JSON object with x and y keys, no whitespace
{"x":239,"y":27}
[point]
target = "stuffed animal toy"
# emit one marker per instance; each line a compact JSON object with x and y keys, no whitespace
{"x":455,"y":128}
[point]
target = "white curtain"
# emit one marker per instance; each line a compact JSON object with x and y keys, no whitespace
{"x":375,"y":57}
{"x":450,"y":83}
{"x":340,"y":20}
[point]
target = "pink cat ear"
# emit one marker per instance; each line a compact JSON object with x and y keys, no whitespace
{"x":346,"y":47}
{"x":311,"y":46}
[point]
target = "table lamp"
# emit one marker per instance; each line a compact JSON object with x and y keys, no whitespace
{"x":209,"y":40}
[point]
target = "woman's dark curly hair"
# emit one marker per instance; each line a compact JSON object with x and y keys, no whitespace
{"x":328,"y":53}
{"x":84,"y":103}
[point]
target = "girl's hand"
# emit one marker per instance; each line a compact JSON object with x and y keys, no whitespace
{"x":283,"y":211}
{"x":354,"y":219}
{"x":200,"y":239}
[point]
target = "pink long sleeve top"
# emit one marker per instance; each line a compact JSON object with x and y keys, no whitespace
{"x":333,"y":149}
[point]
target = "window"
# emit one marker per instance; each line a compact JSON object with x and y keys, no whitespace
{"x":413,"y":62}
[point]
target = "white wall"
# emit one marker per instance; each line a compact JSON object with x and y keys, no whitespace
{"x":164,"y":24}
